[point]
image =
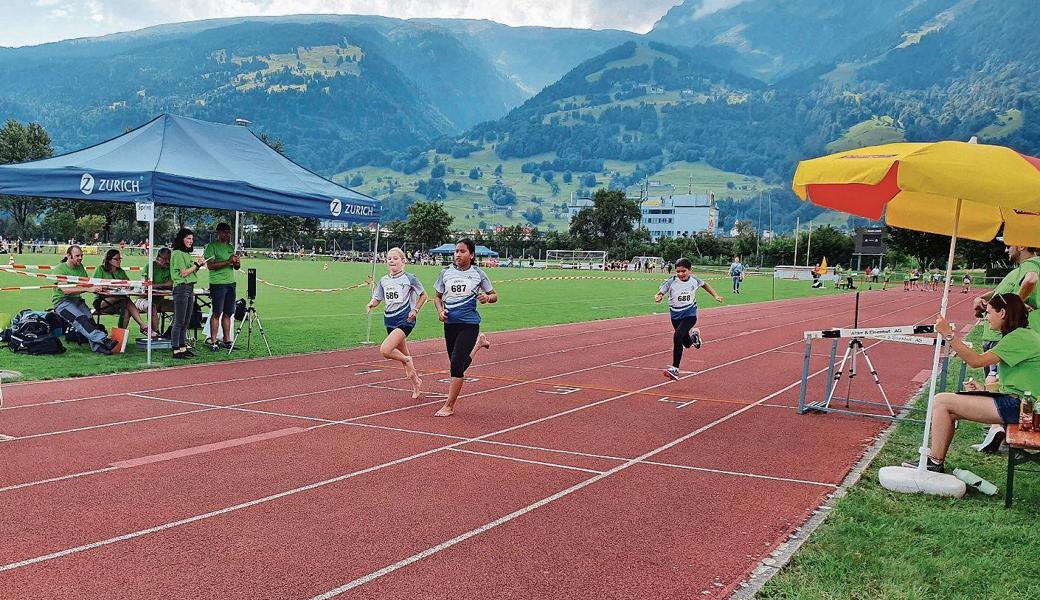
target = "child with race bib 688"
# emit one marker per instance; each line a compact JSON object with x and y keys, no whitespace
{"x":681,"y":290}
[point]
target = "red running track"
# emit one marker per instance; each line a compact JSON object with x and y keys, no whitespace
{"x":573,"y":468}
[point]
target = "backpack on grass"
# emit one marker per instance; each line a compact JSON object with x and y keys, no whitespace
{"x":33,"y":332}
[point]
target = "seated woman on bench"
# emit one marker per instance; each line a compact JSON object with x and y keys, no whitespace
{"x":1018,"y":354}
{"x":117,"y":305}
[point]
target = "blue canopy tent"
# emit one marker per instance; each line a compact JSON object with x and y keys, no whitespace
{"x":177,"y":161}
{"x":482,"y":251}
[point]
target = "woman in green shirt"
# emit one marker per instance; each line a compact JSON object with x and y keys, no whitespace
{"x":1017,"y":352}
{"x":107,"y":304}
{"x":184,"y":268}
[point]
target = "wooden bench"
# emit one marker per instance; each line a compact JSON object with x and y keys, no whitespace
{"x":1023,"y":448}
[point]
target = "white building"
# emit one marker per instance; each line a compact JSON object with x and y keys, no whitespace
{"x":674,"y":215}
{"x":679,"y":215}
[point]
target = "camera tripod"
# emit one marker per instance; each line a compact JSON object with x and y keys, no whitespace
{"x":854,"y":349}
{"x":251,"y":316}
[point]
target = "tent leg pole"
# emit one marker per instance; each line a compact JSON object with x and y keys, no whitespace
{"x":151,"y":276}
{"x":372,"y":282}
{"x":923,"y":463}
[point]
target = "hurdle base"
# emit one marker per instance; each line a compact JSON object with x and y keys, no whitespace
{"x":915,"y":481}
{"x":901,"y":415}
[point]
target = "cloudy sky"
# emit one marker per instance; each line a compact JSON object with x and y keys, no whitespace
{"x":29,"y":22}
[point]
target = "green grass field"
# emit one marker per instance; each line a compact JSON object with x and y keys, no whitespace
{"x":872,"y":132}
{"x":1007,"y":123}
{"x":878,"y":544}
{"x":305,"y":322}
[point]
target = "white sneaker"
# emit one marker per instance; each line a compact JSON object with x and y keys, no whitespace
{"x":672,"y":372}
{"x":695,"y":335}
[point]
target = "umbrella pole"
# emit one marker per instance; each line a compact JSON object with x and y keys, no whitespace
{"x":923,"y":462}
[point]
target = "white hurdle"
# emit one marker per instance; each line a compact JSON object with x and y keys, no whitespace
{"x":903,"y":334}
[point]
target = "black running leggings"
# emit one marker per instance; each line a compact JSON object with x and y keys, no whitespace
{"x":681,"y":339}
{"x":460,"y":338}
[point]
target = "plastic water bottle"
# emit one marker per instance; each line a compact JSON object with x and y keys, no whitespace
{"x":1025,"y":414}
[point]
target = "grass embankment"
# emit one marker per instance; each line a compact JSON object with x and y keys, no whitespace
{"x":304,"y":322}
{"x":878,"y":544}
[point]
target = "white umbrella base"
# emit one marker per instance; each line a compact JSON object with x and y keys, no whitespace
{"x":914,"y":481}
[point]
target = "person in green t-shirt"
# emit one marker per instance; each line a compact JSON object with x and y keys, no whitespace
{"x":162,"y":281}
{"x":118,"y":304}
{"x":221,"y":262}
{"x":72,"y":309}
{"x":1017,"y":352}
{"x":1021,"y":280}
{"x":184,"y":269}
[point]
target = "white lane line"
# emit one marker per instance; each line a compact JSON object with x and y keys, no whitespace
{"x":53,"y":479}
{"x":524,"y":460}
{"x":591,"y":455}
{"x":770,"y":350}
{"x":112,"y":424}
{"x":400,"y":409}
{"x":802,"y":305}
{"x":315,"y":485}
{"x":299,"y":371}
{"x":658,"y":369}
{"x":544,"y":501}
{"x":739,"y":474}
{"x":533,"y":506}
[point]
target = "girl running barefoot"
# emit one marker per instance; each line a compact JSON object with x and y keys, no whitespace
{"x":404,"y":297}
{"x":681,"y":290}
{"x":459,"y":288}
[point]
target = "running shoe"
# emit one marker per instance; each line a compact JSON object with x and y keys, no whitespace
{"x":994,"y":438}
{"x":695,"y":335}
{"x":672,"y":372}
{"x":933,"y":466}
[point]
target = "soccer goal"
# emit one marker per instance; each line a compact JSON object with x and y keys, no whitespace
{"x":645,"y":263}
{"x":576,"y":259}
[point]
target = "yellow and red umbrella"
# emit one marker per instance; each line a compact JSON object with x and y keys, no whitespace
{"x":919,"y":186}
{"x":959,"y":189}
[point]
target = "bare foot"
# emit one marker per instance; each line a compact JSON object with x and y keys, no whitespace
{"x":445,"y":411}
{"x":484,"y":341}
{"x":416,"y":386}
